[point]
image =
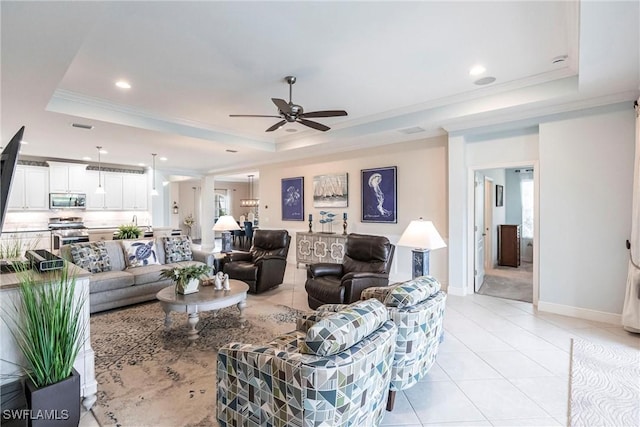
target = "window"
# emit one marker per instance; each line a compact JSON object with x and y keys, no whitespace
{"x":221,"y":203}
{"x":526,"y":188}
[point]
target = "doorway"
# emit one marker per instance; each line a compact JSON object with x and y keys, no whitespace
{"x":493,"y":215}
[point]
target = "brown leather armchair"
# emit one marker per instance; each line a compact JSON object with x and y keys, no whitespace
{"x":366,"y":263}
{"x":263,"y":266}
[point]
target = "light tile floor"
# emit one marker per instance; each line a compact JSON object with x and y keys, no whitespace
{"x":501,"y":363}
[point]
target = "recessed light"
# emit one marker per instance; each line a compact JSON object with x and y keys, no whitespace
{"x":485,"y":81}
{"x":164,"y":159}
{"x":101,"y":151}
{"x":141,"y":164}
{"x":231,"y":151}
{"x":86,"y":158}
{"x":123,"y":84}
{"x":476,"y":70}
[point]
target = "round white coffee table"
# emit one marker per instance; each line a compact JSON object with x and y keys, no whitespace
{"x":206,"y":299}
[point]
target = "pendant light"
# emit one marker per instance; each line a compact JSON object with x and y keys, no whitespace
{"x":250,"y":202}
{"x":154,"y":192}
{"x":100,"y":189}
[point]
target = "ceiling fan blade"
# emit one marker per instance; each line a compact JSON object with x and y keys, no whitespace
{"x":276,"y":126}
{"x":251,"y":115}
{"x":327,"y":113}
{"x":282,"y":105}
{"x":315,"y":125}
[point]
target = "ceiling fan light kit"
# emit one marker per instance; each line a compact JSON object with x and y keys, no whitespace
{"x":294,"y":113}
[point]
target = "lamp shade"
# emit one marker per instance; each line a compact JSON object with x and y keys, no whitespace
{"x":226,"y":223}
{"x":421,"y":234}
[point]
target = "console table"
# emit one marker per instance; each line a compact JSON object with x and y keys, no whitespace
{"x":312,"y":248}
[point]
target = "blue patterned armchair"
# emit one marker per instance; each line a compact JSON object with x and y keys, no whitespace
{"x":334,"y":371}
{"x":417,"y":308}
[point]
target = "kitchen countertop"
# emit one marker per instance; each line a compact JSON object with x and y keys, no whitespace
{"x":14,"y":230}
{"x":11,"y":280}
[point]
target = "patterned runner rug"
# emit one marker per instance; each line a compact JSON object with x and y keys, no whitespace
{"x":149,"y":376}
{"x":605,"y":385}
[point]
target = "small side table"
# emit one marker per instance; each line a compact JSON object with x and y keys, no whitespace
{"x":219,"y":259}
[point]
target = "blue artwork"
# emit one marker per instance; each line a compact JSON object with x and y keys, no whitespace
{"x":293,"y":199}
{"x":379,"y":195}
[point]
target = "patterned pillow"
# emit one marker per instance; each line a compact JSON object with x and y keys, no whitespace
{"x":91,"y":256}
{"x":140,"y":252}
{"x":177,"y":248}
{"x":344,"y":329}
{"x":412,"y":292}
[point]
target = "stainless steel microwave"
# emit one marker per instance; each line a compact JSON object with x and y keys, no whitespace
{"x":67,"y":201}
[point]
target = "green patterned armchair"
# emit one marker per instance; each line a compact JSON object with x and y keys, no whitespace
{"x":334,"y":371}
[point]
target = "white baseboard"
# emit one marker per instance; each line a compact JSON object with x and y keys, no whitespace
{"x":580,"y":313}
{"x":456,"y":290}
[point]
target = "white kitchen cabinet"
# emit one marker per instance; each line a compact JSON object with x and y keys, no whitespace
{"x":29,"y":188}
{"x":67,"y":177}
{"x":135,"y":194}
{"x":94,"y":201}
{"x":112,"y":197}
{"x":112,"y":190}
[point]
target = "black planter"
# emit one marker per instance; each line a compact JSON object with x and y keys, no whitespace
{"x":56,"y":405}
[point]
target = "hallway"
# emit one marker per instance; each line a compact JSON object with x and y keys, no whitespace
{"x":509,"y":282}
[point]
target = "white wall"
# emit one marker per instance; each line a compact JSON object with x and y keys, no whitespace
{"x":585,"y":172}
{"x":422,"y":188}
{"x":469,"y":153}
{"x":586,"y":178}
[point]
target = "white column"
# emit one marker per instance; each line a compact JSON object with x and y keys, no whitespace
{"x":207,"y":214}
{"x":458,"y":260}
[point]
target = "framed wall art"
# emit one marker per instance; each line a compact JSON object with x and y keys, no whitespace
{"x":499,"y":195}
{"x":331,"y":191}
{"x":293,"y":199}
{"x":380,"y":195}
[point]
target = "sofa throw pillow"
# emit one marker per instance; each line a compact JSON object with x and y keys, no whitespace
{"x":139,"y":253}
{"x":91,"y":256}
{"x":344,"y":329}
{"x":412,"y":292}
{"x":177,"y":248}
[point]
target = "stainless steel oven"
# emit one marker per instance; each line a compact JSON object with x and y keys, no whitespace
{"x":67,"y":230}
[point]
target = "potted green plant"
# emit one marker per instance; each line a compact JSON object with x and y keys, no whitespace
{"x":128,"y":231}
{"x":187,"y":278}
{"x":47,"y":326}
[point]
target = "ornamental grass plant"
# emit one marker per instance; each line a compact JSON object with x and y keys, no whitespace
{"x":46,"y":324}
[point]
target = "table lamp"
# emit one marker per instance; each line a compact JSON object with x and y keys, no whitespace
{"x":226,"y":224}
{"x":423,"y":237}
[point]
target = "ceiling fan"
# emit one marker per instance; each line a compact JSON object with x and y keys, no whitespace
{"x":290,"y":112}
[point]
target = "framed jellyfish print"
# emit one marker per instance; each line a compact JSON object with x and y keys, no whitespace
{"x":380,"y":195}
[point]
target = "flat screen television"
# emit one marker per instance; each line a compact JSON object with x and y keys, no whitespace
{"x":8,"y":163}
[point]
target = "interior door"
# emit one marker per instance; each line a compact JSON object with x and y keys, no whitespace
{"x":479,"y":228}
{"x":488,"y":223}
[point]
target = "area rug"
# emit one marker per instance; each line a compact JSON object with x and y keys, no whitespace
{"x":510,"y":283}
{"x":605,"y":385}
{"x":151,"y":376}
